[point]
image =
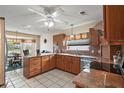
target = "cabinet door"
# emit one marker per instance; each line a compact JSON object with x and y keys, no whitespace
{"x":35,"y":66}
{"x":45,"y":63}
{"x":94,"y":37}
{"x":58,"y":60}
{"x":113,"y":24}
{"x":60,"y":63}
{"x":75,"y":66}
{"x":68,"y":62}
{"x":52,"y":61}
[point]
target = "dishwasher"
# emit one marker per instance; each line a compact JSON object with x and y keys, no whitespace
{"x":85,"y":63}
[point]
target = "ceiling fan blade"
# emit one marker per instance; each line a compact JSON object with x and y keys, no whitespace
{"x":37,"y":12}
{"x":40,"y":20}
{"x":42,"y":26}
{"x":60,"y":21}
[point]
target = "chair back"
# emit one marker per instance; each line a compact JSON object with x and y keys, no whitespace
{"x":26,"y":52}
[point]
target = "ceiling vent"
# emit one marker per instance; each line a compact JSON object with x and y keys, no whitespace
{"x":82,"y":12}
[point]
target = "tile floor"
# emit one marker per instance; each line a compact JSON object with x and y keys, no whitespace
{"x":52,"y":79}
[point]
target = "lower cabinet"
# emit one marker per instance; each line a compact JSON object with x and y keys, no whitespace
{"x":38,"y":65}
{"x":60,"y":62}
{"x":32,"y":66}
{"x":75,"y":67}
{"x":68,"y":63}
{"x":52,"y":61}
{"x":45,"y":63}
{"x":48,"y":62}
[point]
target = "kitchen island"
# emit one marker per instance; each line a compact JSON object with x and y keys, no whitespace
{"x":98,"y":79}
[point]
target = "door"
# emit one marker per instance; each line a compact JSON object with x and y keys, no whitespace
{"x":2,"y":51}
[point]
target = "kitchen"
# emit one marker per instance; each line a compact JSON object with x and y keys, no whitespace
{"x":91,"y":54}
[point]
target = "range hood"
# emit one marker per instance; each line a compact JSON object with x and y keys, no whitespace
{"x":78,"y":42}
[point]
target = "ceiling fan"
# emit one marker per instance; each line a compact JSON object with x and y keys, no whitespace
{"x":49,"y":14}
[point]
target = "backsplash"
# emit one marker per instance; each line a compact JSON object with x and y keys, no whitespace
{"x":94,"y":51}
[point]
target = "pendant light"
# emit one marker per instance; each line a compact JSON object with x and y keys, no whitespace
{"x":72,"y":35}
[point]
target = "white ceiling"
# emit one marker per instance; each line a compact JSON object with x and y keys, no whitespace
{"x":18,"y":16}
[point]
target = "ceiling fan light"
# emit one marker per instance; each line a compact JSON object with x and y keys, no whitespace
{"x":51,"y":24}
{"x":46,"y":23}
{"x":54,"y":14}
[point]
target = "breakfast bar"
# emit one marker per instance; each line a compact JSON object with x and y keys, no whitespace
{"x":98,"y":79}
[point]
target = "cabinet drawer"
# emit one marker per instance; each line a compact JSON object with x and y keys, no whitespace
{"x":34,"y":71}
{"x":34,"y":59}
{"x":35,"y":63}
{"x":45,"y":58}
{"x":34,"y":67}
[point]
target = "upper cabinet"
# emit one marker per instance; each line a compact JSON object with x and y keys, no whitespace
{"x":58,"y":39}
{"x":94,"y":38}
{"x":114,"y":24}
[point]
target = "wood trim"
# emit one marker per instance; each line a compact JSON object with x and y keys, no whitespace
{"x":2,"y":51}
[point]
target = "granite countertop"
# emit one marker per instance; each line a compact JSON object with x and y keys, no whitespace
{"x":42,"y":54}
{"x":67,"y":54}
{"x":98,"y":79}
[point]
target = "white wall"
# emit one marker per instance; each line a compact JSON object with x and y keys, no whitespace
{"x":46,"y":46}
{"x":84,"y":27}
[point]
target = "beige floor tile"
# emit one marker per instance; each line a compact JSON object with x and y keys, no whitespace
{"x":61,"y":82}
{"x":54,"y":86}
{"x":69,"y":85}
{"x":48,"y":83}
{"x":17,"y":81}
{"x":19,"y":84}
{"x":42,"y":80}
{"x":41,"y":86}
{"x":10,"y":86}
{"x":39,"y":77}
{"x":55,"y":79}
{"x":34,"y":84}
{"x":49,"y":76}
{"x":14,"y":78}
{"x":25,"y":86}
{"x":52,"y":79}
{"x":30,"y":80}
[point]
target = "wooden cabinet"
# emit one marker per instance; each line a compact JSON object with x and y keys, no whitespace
{"x":45,"y":63}
{"x":32,"y":66}
{"x":94,"y":38}
{"x":59,"y":62}
{"x":114,"y":24}
{"x":58,"y":39}
{"x":68,"y":63}
{"x":37,"y":65}
{"x":52,"y":61}
{"x":75,"y":66}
